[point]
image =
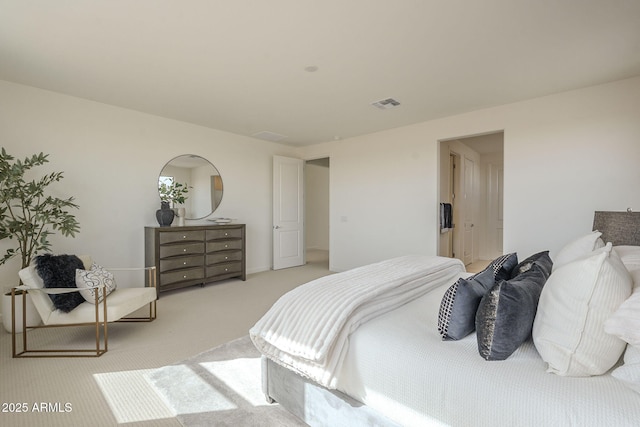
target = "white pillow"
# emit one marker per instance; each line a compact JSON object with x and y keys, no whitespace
{"x":88,"y":280}
{"x":629,"y":373}
{"x":630,"y":255}
{"x":625,"y":322}
{"x":578,"y":248}
{"x":577,"y":299}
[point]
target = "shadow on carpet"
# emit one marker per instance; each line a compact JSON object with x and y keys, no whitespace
{"x":228,"y":387}
{"x":220,"y":387}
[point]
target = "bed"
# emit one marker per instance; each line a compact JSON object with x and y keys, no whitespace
{"x":394,"y":364}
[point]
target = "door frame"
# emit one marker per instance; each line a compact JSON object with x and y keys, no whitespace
{"x":457,"y":146}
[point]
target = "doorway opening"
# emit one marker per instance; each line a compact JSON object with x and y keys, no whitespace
{"x":471,"y":184}
{"x":316,"y":228}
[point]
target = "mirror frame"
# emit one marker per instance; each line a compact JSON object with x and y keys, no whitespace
{"x":214,"y":188}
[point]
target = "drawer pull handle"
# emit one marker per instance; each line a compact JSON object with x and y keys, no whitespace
{"x":184,"y":250}
{"x":226,"y":234}
{"x":226,"y":246}
{"x":184,"y":237}
{"x":226,"y":257}
{"x":184,"y":277}
{"x":226,"y":269}
{"x":184,"y":263}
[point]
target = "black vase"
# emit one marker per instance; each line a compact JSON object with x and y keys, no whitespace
{"x":165,"y":214}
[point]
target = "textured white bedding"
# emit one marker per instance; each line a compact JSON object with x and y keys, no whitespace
{"x":307,"y":329}
{"x":398,"y":365}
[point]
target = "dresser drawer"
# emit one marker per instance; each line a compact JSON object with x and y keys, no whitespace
{"x":181,"y":262}
{"x":226,"y":268}
{"x":181,"y":236}
{"x":223,"y":245}
{"x":195,"y":254}
{"x":181,"y":249}
{"x":224,"y":256}
{"x":227,"y":233}
{"x":181,"y":276}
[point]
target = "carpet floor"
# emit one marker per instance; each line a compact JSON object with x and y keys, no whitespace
{"x":219,"y":387}
{"x":190,"y":321}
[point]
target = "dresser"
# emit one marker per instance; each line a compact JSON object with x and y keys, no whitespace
{"x":195,"y":255}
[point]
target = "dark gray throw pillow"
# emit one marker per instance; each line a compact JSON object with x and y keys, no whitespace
{"x":59,"y":271}
{"x":541,"y":258}
{"x":457,"y":315}
{"x":505,"y":316}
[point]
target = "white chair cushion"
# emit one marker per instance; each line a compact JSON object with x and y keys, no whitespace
{"x":120,"y":303}
{"x":40,"y":300}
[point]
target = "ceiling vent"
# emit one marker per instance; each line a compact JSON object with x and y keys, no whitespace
{"x":385,"y":104}
{"x":269,"y":136}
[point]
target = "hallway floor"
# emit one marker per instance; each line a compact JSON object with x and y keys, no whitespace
{"x":478,"y":266}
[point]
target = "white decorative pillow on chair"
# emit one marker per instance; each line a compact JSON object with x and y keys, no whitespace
{"x":88,"y":280}
{"x":578,"y":298}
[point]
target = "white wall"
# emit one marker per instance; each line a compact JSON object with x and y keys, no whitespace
{"x":111,"y":158}
{"x":565,"y":156}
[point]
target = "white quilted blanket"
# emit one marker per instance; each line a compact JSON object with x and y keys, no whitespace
{"x":308,"y":328}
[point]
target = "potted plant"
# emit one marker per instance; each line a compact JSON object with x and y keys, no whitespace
{"x":29,"y":216}
{"x":170,"y":195}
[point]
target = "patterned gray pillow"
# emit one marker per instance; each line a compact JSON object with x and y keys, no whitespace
{"x":457,"y":315}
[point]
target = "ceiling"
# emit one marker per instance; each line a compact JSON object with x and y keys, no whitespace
{"x":307,"y":71}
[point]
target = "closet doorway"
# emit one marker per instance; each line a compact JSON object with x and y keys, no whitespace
{"x":472,"y":181}
{"x":317,"y":210}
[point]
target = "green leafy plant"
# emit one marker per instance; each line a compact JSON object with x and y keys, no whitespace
{"x":174,"y":193}
{"x":27,"y":214}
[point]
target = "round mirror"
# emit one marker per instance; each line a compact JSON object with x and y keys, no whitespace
{"x":201,"y":179}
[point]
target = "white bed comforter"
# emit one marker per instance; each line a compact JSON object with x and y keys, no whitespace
{"x":416,"y":379}
{"x":307,"y":329}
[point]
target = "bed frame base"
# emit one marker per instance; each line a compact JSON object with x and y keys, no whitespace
{"x":314,"y":404}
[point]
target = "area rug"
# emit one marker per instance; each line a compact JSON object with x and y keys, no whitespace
{"x":220,"y":387}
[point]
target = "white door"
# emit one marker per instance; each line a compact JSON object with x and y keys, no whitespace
{"x":468,"y":207}
{"x":288,"y":212}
